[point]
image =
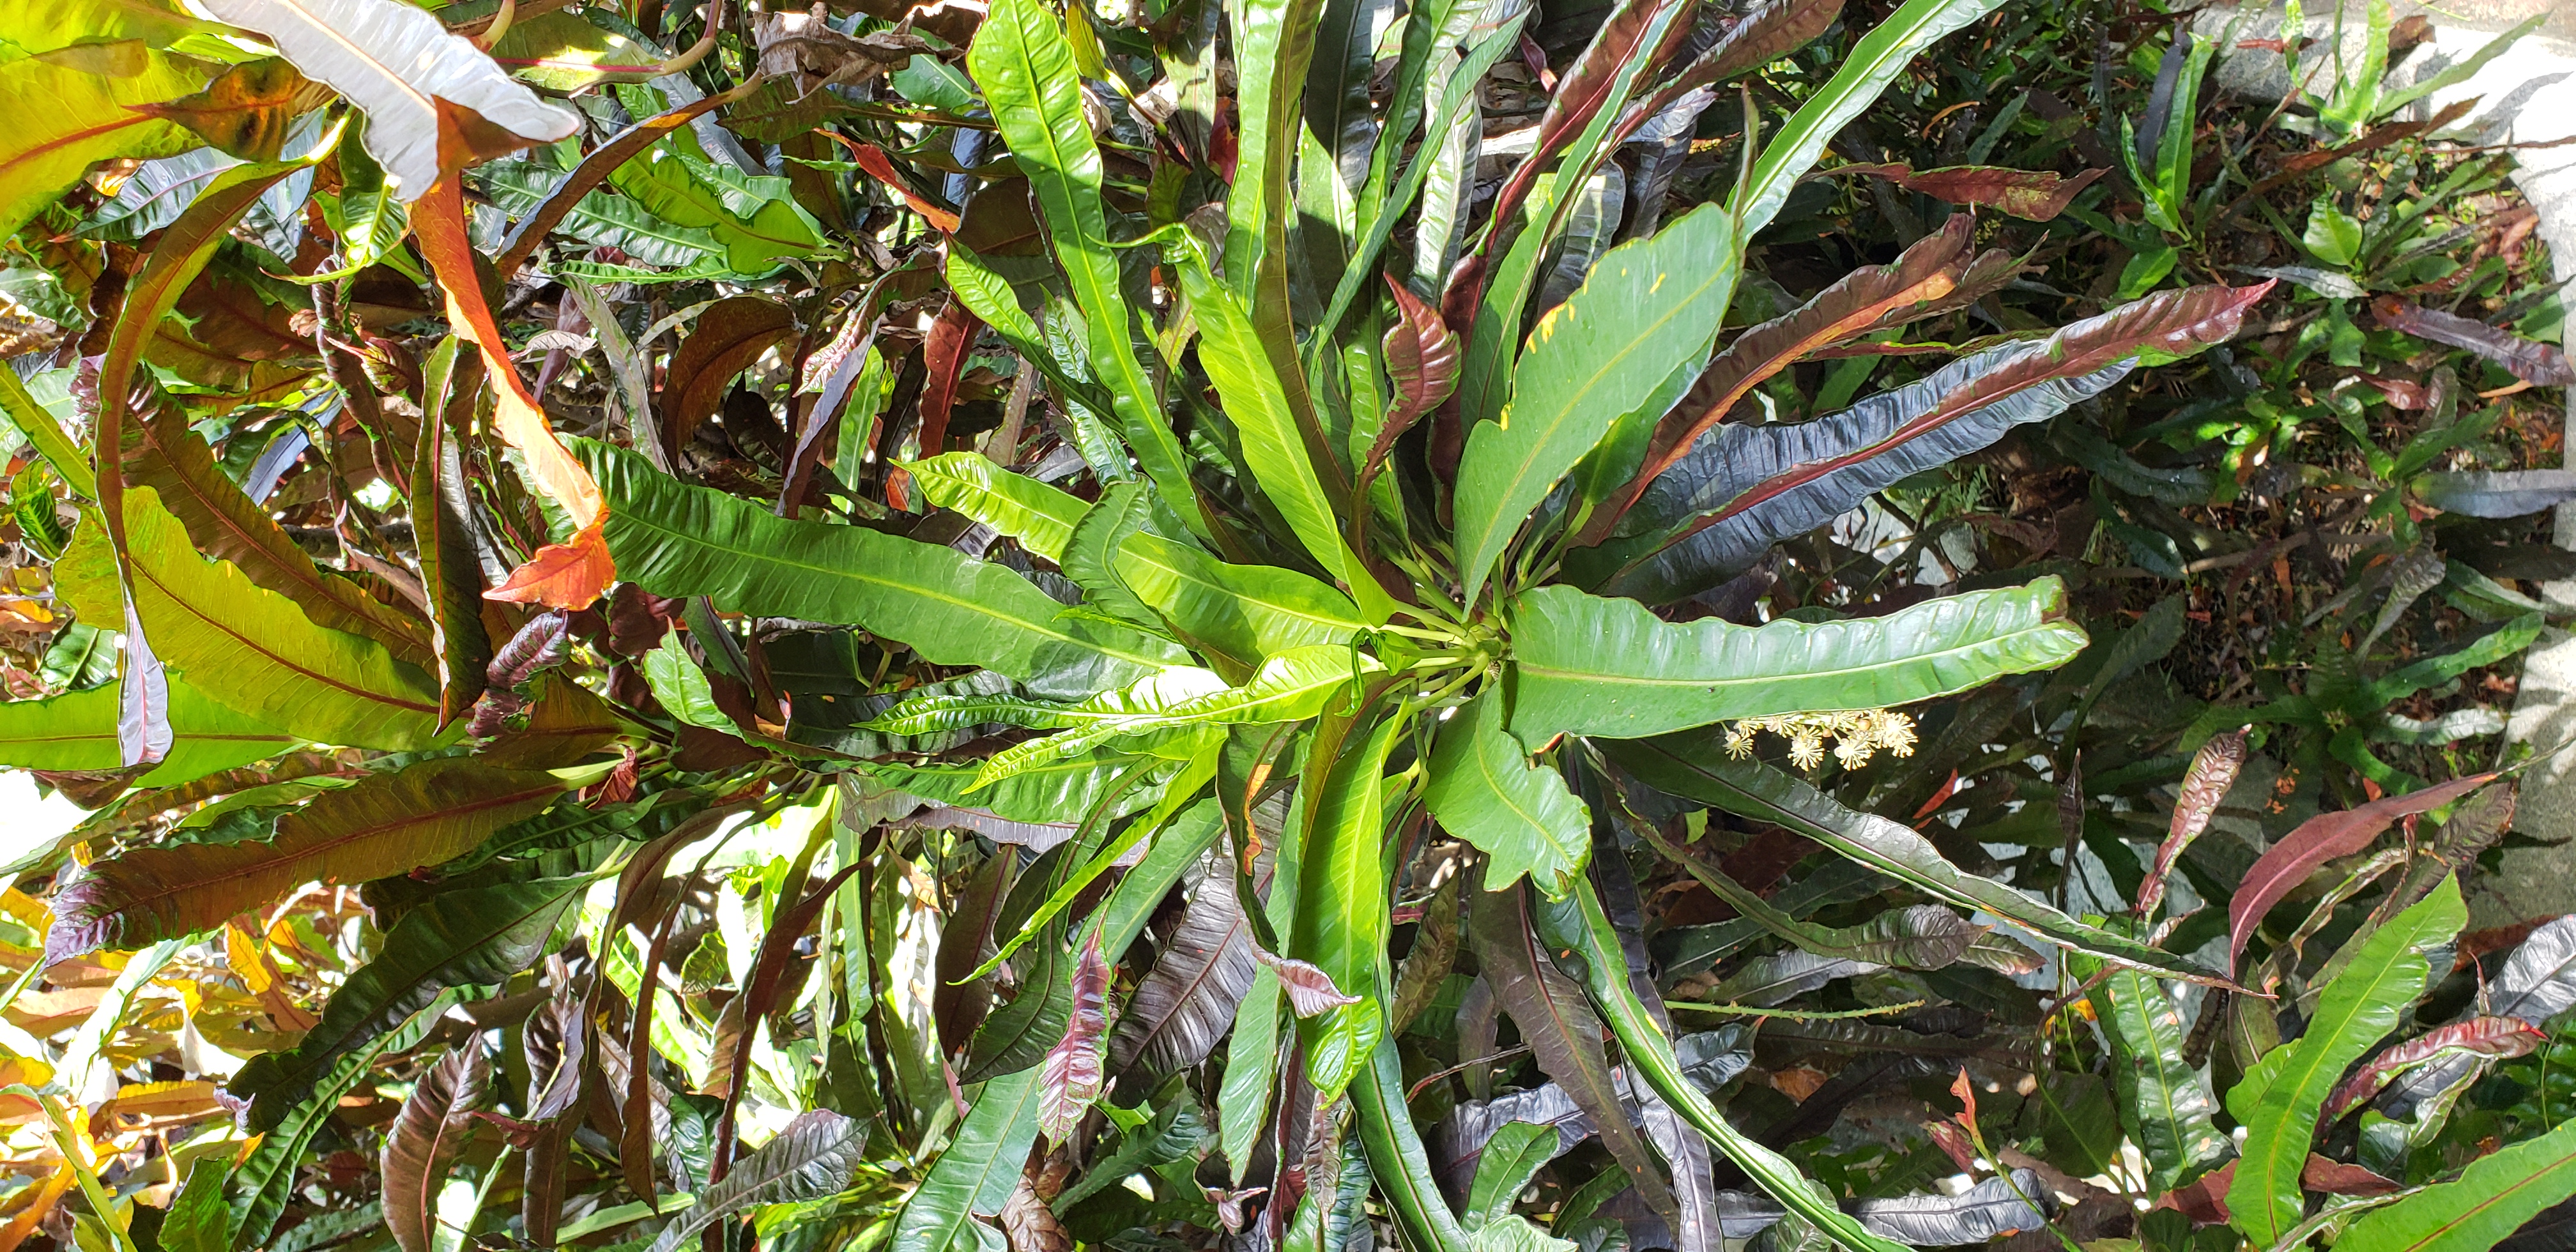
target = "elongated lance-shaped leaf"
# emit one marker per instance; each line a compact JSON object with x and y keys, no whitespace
{"x":595,"y":169}
{"x":1484,"y":789}
{"x":265,"y":1180}
{"x":69,"y":119}
{"x":1396,"y":1157}
{"x":1562,"y":1029}
{"x":1696,"y":767}
{"x":2278,"y":1100}
{"x":1021,"y":60}
{"x":1649,"y":307}
{"x":1767,"y":32}
{"x":1070,"y":1080}
{"x":467,"y":937}
{"x":678,"y":540}
{"x":2213,"y":770}
{"x":76,"y":732}
{"x":2482,"y":1208}
{"x":428,"y":1134}
{"x":1744,"y":487}
{"x":1181,"y":1009}
{"x":1292,"y":686}
{"x":1422,"y":361}
{"x":1866,"y":70}
{"x":974,"y":1177}
{"x":2476,"y":1037}
{"x":1924,"y":936}
{"x":1341,"y":924}
{"x":1608,"y":667}
{"x":246,"y":646}
{"x":1240,"y":612}
{"x":1628,"y":44}
{"x":2166,"y":1105}
{"x":1926,"y":271}
{"x":1285,"y":467}
{"x":1579,"y":925}
{"x":812,"y":1157}
{"x":2534,"y":362}
{"x":2320,"y":839}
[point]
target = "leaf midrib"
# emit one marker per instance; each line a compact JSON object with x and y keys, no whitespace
{"x":1641,"y":680}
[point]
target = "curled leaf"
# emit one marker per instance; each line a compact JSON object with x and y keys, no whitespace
{"x":1311,"y":992}
{"x":1071,"y":1078}
{"x":2213,"y":771}
{"x":2540,"y":364}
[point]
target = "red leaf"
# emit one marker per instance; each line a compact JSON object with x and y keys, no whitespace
{"x":1926,"y":271}
{"x":873,"y":159}
{"x":2540,"y":364}
{"x":2337,"y":1178}
{"x":1422,"y":359}
{"x":1954,"y":1144}
{"x":730,"y":335}
{"x":1071,"y":1078}
{"x":2213,"y":771}
{"x":2318,"y":840}
{"x":1768,"y":33}
{"x":2478,"y":1036}
{"x":1311,"y":992}
{"x":563,"y":575}
{"x":438,"y":221}
{"x":426,"y":1136}
{"x":2204,"y":1201}
{"x":945,"y":353}
{"x":2035,"y":195}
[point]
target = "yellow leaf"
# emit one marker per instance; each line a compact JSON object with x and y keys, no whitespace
{"x":242,"y":953}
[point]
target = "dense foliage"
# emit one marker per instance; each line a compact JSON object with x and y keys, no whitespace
{"x":1286,"y":623}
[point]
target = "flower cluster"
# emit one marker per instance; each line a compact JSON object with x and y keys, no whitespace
{"x":1858,"y":734}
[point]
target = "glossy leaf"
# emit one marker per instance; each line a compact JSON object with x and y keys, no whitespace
{"x":678,"y":540}
{"x":1284,"y":467}
{"x":385,"y":824}
{"x":1421,"y":355}
{"x":2492,"y":1198}
{"x":2540,"y":364}
{"x":1744,"y":487}
{"x":1561,"y":1028}
{"x":1696,"y":767}
{"x":812,"y":1157}
{"x":2280,"y":1097}
{"x":1241,"y":612}
{"x":1070,"y":1080}
{"x":2320,"y":839}
{"x":1344,"y":929}
{"x":1853,"y":304}
{"x":395,"y":61}
{"x":1579,"y":925}
{"x":426,"y":1138}
{"x":469,"y":936}
{"x":1596,"y":666}
{"x":1484,"y":789}
{"x":595,"y":169}
{"x":1865,"y":72}
{"x":69,"y":119}
{"x":2034,"y":195}
{"x":1184,"y":1006}
{"x":2213,"y":770}
{"x":2167,"y":1106}
{"x":731,"y":333}
{"x":244,"y":645}
{"x":1648,"y":307}
{"x":1292,"y":686}
{"x":2478,"y":1036}
{"x":1023,"y":64}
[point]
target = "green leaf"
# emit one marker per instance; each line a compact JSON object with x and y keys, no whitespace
{"x":681,"y":687}
{"x":474,"y":936}
{"x":1060,"y":791}
{"x":566,"y":52}
{"x":1395,"y":1155}
{"x":1292,"y":686}
{"x":1090,"y":555}
{"x":2333,"y":236}
{"x":1866,"y":71}
{"x":76,"y":732}
{"x":678,"y":540}
{"x":752,"y":219}
{"x":1510,"y":1159}
{"x":1484,"y":789}
{"x":1649,"y":307}
{"x":1251,"y":1070}
{"x":384,"y":824}
{"x":1578,"y":924}
{"x":1284,"y":468}
{"x":1696,"y":768}
{"x":2279,"y":1099}
{"x":64,"y":120}
{"x":1594,"y":666}
{"x":1341,"y":922}
{"x":2165,"y":1104}
{"x":1241,"y":613}
{"x":2488,"y":1202}
{"x":1024,"y":64}
{"x":977,"y":1173}
{"x":244,"y":645}
{"x":524,"y":188}
{"x":270,"y":1172}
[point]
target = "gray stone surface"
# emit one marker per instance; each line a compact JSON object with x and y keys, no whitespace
{"x":2525,"y":96}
